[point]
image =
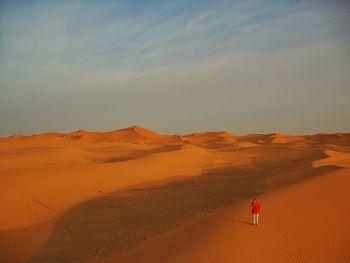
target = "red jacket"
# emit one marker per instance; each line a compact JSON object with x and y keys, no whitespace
{"x":256,"y":207}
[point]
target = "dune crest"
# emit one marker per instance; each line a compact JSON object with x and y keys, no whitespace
{"x":317,"y":231}
{"x":282,"y":138}
{"x":141,"y":132}
{"x":45,"y":175}
{"x":341,"y":159}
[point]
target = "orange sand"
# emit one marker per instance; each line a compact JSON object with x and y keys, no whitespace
{"x":42,"y":176}
{"x":305,"y":222}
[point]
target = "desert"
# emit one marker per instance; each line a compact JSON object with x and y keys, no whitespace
{"x":178,"y":131}
{"x":134,"y":195}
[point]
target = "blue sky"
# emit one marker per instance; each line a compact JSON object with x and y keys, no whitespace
{"x":175,"y":66}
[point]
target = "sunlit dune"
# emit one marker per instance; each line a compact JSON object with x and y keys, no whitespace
{"x":288,"y":232}
{"x":281,"y":138}
{"x":53,"y":179}
{"x":210,"y":139}
{"x":256,"y":138}
{"x":341,"y":159}
{"x":132,"y":134}
{"x":245,"y":144}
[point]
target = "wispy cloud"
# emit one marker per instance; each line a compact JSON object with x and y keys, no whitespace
{"x":69,"y":47}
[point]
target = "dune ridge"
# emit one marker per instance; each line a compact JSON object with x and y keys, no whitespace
{"x":45,"y":175}
{"x":317,"y":231}
{"x":301,"y":222}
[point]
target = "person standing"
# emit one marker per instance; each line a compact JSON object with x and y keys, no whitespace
{"x":255,"y":211}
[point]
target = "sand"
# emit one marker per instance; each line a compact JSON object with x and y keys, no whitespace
{"x":44,"y":175}
{"x":306,"y":222}
{"x":50,"y":179}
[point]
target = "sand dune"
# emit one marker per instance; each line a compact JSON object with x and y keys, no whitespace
{"x":131,"y":134}
{"x":71,"y":179}
{"x":210,"y":139}
{"x":256,"y":138}
{"x":245,"y":144}
{"x":282,"y":138}
{"x":341,"y":159}
{"x":316,"y":231}
{"x":305,"y":222}
{"x":45,"y":176}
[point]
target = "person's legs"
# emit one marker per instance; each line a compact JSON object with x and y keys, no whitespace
{"x":254,"y":219}
{"x":257,"y":219}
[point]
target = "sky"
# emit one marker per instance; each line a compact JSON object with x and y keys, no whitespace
{"x":175,"y":67}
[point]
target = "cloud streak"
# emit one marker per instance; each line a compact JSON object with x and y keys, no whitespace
{"x":158,"y":52}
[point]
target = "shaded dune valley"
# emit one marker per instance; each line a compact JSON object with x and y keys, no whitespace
{"x":133,"y":195}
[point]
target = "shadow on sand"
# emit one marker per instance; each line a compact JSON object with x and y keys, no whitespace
{"x":119,"y":221}
{"x":241,"y":222}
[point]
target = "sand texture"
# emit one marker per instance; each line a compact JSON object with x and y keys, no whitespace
{"x":133,"y":194}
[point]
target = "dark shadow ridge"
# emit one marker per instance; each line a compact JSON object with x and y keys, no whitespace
{"x":135,"y":154}
{"x":13,"y":242}
{"x":119,"y":221}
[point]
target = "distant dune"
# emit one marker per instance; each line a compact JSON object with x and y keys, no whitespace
{"x":54,"y":184}
{"x":281,"y":138}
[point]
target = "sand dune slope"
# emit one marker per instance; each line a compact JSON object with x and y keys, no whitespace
{"x":304,"y":222}
{"x":307,"y":222}
{"x":43,"y":177}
